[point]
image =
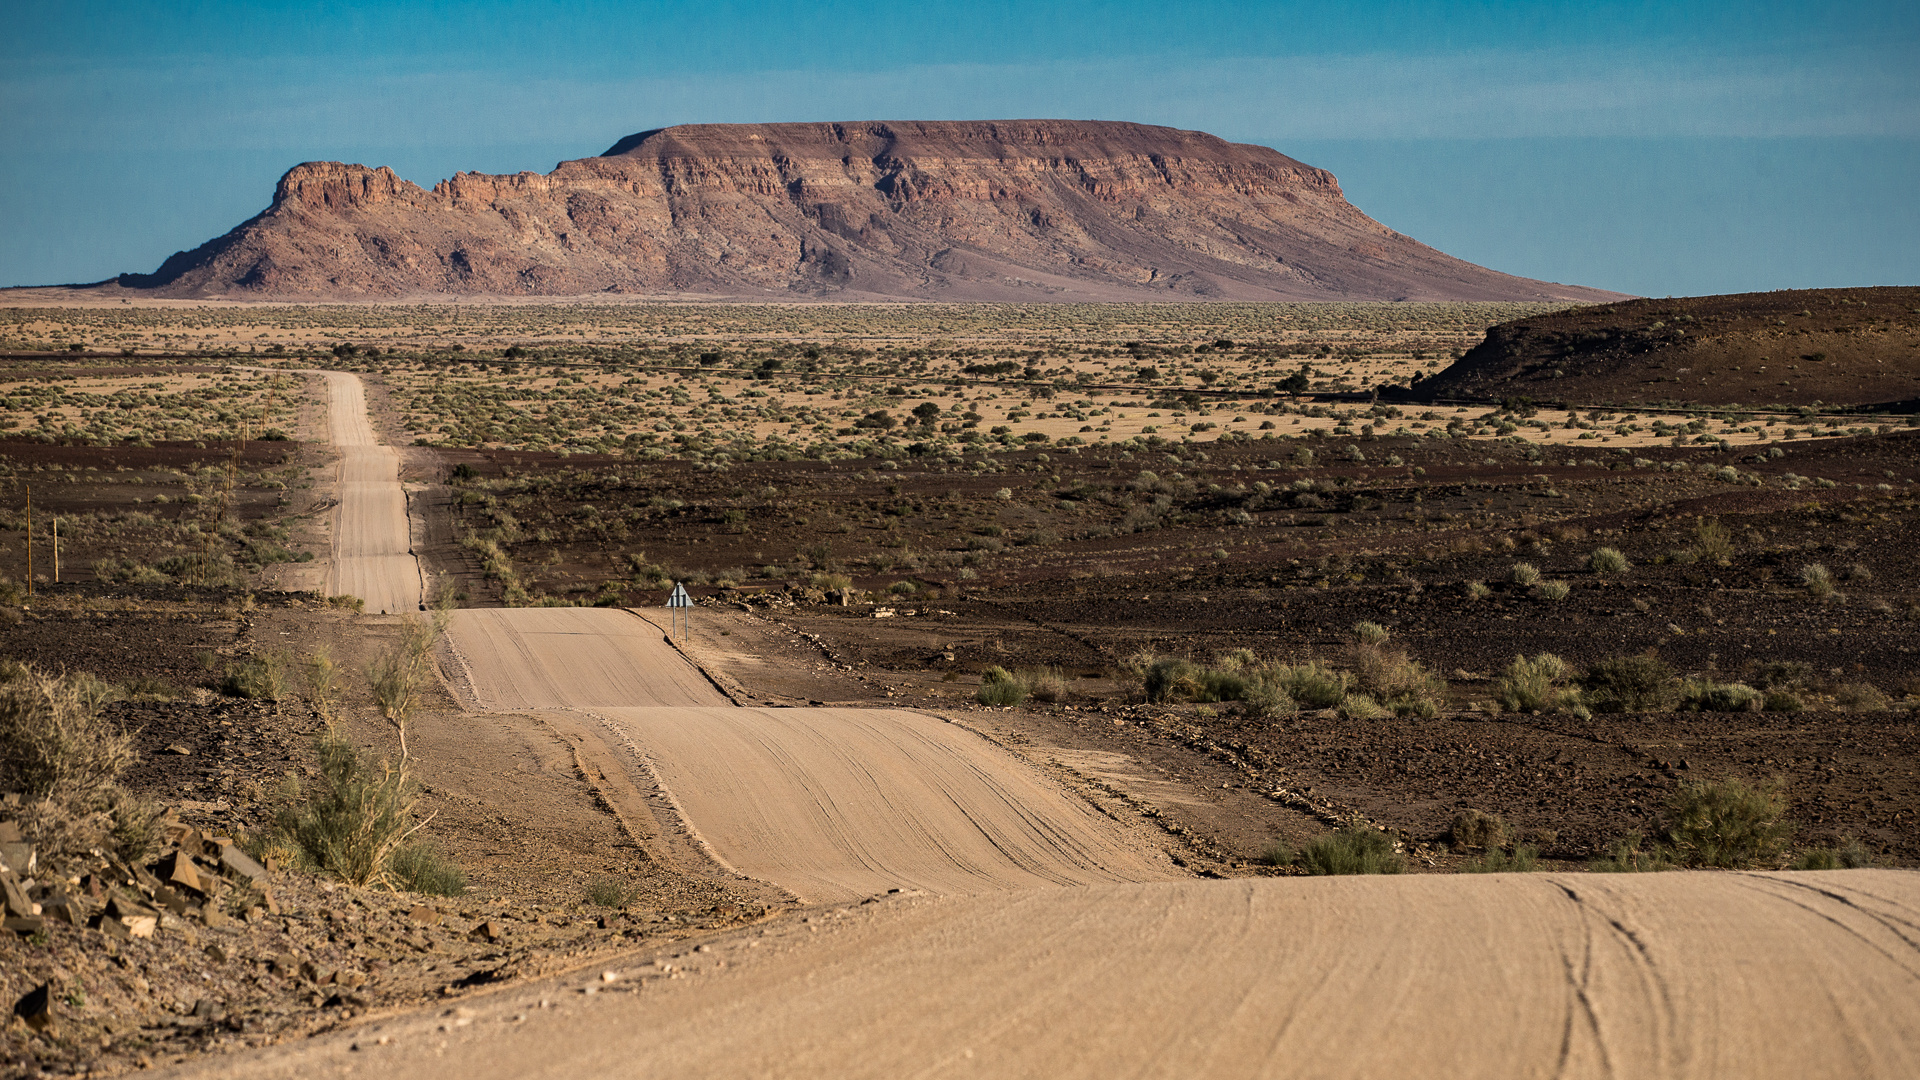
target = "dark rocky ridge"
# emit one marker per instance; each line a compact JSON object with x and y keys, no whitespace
{"x":988,"y":210}
{"x":1848,"y":347}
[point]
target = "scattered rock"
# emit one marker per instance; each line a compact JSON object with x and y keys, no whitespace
{"x":36,"y":1008}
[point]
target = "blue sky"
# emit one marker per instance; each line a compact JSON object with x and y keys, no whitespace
{"x":1651,"y":148}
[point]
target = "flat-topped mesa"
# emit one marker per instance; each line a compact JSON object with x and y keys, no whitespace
{"x":934,"y":210}
{"x":332,"y":185}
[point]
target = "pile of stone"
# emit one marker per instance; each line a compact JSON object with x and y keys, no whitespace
{"x":198,"y":879}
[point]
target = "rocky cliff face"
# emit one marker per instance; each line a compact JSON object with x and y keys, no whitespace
{"x":1001,"y":210}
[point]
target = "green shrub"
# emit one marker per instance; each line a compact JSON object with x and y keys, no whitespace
{"x":1523,"y":859}
{"x":1237,"y":660}
{"x":611,"y":892}
{"x":1478,"y":590}
{"x":1818,"y":581}
{"x":54,"y":743}
{"x":1627,"y":856}
{"x":1313,"y":684}
{"x":1537,"y":685}
{"x":1370,"y":633}
{"x":1851,"y":854}
{"x":66,"y":758}
{"x":1355,"y":849}
{"x":1361,"y":707}
{"x":353,"y":818}
{"x":1728,"y":823}
{"x":998,"y":687}
{"x":1044,"y":683}
{"x":1783,"y":675}
{"x":1476,"y":830}
{"x":1629,"y":683}
{"x":1524,"y":574}
{"x":1553,"y":590}
{"x":1268,"y":700}
{"x":1783,"y":701}
{"x":1716,"y":544}
{"x":261,"y":677}
{"x":1861,"y":697}
{"x":1277,"y":853}
{"x":1607,"y":560}
{"x":401,"y":670}
{"x":1705,"y":695}
{"x":423,"y":868}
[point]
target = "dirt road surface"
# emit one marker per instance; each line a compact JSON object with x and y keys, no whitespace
{"x":829,"y":804}
{"x":572,"y":658}
{"x":1644,"y":976}
{"x":839,"y":804}
{"x":963,"y":973}
{"x":372,"y":543}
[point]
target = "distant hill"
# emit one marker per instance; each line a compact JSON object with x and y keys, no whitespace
{"x":988,"y":210}
{"x":1795,"y":347}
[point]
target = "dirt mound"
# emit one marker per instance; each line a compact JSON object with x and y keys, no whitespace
{"x":1795,"y":347}
{"x":989,"y":210}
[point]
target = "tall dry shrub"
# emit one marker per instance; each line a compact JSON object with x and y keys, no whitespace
{"x":65,"y":758}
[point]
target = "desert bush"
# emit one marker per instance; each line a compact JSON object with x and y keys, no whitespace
{"x":1521,"y":859}
{"x":1714,"y":541}
{"x":1537,"y":684}
{"x":401,"y":670}
{"x":999,"y":687}
{"x":1361,"y":707}
{"x":1553,"y":590}
{"x":1478,"y":590}
{"x":1278,"y":853}
{"x":611,"y":892}
{"x":1818,"y":581}
{"x":1861,"y":697}
{"x":1355,"y":849}
{"x":353,"y":818}
{"x":1237,"y":660}
{"x":1627,"y":856}
{"x":1524,"y":574}
{"x":1607,"y":560}
{"x":1476,"y":830}
{"x":1370,"y":633}
{"x":830,"y":582}
{"x":1044,"y":683}
{"x":261,"y":677}
{"x":422,"y":867}
{"x":1783,"y":701}
{"x":1850,"y":854}
{"x":346,"y":602}
{"x":1629,"y":683}
{"x":1782,"y":675}
{"x":1728,"y":823}
{"x":1313,"y":684}
{"x":1705,"y":695}
{"x":54,"y":744}
{"x":1397,"y":682}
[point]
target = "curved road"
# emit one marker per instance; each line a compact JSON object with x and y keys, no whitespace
{"x":1534,"y":975}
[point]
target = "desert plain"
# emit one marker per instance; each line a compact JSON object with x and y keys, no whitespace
{"x":1169,"y":689}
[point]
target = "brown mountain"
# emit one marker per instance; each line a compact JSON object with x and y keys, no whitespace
{"x":1792,"y":347}
{"x":988,"y":210}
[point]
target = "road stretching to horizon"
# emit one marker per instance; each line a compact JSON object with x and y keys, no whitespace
{"x":1032,"y":938}
{"x":372,"y":539}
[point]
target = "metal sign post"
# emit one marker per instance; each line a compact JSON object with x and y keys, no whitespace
{"x":680,"y":611}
